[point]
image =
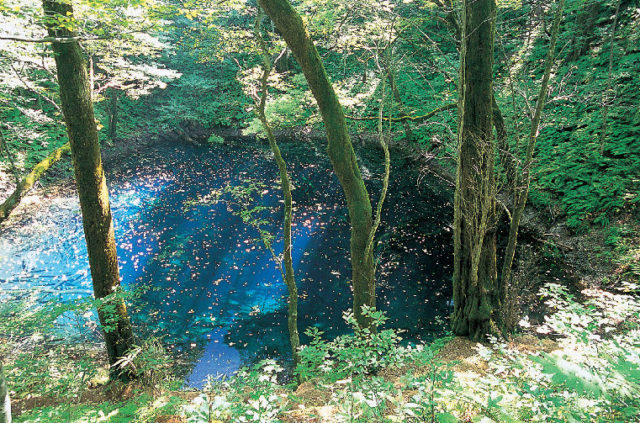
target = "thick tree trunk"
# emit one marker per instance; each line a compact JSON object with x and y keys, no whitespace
{"x":77,"y":108}
{"x":476,"y":298}
{"x":29,"y":181}
{"x":285,"y":184}
{"x":5,"y":410}
{"x":498,"y":120}
{"x":339,"y":148}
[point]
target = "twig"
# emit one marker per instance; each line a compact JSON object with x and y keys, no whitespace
{"x":36,"y":91}
{"x":64,"y":40}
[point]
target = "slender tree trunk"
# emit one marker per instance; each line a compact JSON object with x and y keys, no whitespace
{"x":505,"y":153}
{"x":5,"y":411}
{"x":113,"y":114}
{"x":12,"y":163}
{"x":285,"y":184}
{"x":607,"y":90}
{"x":476,"y":300}
{"x":25,"y":185}
{"x":339,"y":149}
{"x":91,"y":75}
{"x":521,"y":184}
{"x":384,"y":143}
{"x":398,"y":98}
{"x":77,"y":108}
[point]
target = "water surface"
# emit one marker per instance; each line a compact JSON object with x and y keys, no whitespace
{"x":215,"y":291}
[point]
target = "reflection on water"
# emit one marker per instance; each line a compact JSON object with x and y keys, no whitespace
{"x":217,"y":292}
{"x":218,"y":359}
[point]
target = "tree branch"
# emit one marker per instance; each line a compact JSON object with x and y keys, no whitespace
{"x":29,"y":181}
{"x":69,"y":39}
{"x":48,"y":39}
{"x":420,"y":118}
{"x":35,"y":90}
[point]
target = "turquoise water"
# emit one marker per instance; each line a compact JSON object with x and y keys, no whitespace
{"x":216,"y":292}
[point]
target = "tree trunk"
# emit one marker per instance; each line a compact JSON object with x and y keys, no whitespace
{"x":77,"y":108}
{"x":606,"y":101}
{"x":586,"y":21}
{"x":451,"y":19}
{"x":505,"y":153}
{"x":283,"y":62}
{"x":12,"y":164}
{"x":288,"y":275}
{"x":29,"y":181}
{"x":476,"y":298}
{"x":398,"y":98}
{"x":5,"y":411}
{"x":113,"y":114}
{"x":339,"y":149}
{"x":384,"y":143}
{"x":91,"y":75}
{"x":521,"y":183}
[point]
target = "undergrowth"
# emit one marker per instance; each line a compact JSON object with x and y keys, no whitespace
{"x":592,"y":373}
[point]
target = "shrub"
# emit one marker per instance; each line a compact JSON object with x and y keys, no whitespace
{"x":215,"y":140}
{"x":364,"y":352}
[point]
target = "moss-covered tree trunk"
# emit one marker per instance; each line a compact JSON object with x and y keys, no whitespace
{"x":5,"y":410}
{"x":339,"y":148}
{"x":77,"y":108}
{"x":476,"y":297}
{"x":285,"y":184}
{"x":25,"y":185}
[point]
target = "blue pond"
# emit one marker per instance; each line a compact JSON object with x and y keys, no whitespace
{"x":215,"y":291}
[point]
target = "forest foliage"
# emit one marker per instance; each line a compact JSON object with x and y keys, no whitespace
{"x":201,"y":70}
{"x":160,"y":65}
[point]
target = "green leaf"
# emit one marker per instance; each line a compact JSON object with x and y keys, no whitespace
{"x":573,"y":376}
{"x":446,"y":418}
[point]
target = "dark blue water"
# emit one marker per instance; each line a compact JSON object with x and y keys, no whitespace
{"x":214,"y":290}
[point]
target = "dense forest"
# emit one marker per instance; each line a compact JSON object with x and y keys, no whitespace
{"x":319,"y":211}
